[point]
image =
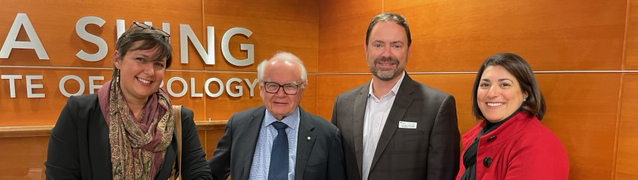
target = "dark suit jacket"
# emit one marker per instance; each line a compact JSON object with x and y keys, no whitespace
{"x":79,"y":145}
{"x":431,"y":151}
{"x":321,"y":157}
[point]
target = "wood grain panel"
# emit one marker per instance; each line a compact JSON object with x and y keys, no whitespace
{"x":330,"y":86}
{"x":20,"y":110}
{"x":342,"y":29}
{"x":281,"y":25}
{"x":310,"y":97}
{"x":583,"y":116}
{"x":54,"y":22}
{"x":20,"y":155}
{"x":213,"y":134}
{"x":627,"y":159}
{"x":457,"y":35}
{"x":631,"y":41}
{"x":197,"y":104}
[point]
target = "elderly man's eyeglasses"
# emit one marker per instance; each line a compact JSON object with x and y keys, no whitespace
{"x":273,"y":88}
{"x":146,"y":26}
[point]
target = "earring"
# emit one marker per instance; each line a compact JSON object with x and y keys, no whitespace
{"x":116,"y":75}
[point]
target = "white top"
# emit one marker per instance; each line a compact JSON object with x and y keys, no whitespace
{"x":377,"y":111}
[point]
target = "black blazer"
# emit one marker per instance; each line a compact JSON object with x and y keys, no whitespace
{"x":320,"y":157}
{"x":431,"y":151}
{"x":79,"y":145}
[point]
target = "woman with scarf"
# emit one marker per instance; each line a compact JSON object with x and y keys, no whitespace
{"x":127,"y":130}
{"x":509,"y":142}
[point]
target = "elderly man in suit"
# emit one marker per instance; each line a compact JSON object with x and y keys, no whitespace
{"x":395,"y":127}
{"x":279,"y":140}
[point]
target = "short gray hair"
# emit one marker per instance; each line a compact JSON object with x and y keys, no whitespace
{"x":286,"y":56}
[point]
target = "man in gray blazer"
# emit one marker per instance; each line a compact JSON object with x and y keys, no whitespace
{"x":279,"y":140}
{"x":395,"y":127}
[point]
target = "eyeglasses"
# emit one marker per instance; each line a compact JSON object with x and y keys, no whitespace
{"x":146,"y":26}
{"x":289,"y":89}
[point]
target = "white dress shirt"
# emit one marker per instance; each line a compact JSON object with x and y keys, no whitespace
{"x":377,"y":111}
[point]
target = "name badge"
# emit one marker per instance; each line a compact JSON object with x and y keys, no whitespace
{"x":407,"y":125}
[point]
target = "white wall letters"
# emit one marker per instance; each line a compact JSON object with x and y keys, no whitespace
{"x":80,"y":29}
{"x":22,"y":20}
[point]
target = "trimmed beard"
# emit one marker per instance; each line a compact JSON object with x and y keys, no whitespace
{"x":382,"y":75}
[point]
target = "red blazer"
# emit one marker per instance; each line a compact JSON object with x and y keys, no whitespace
{"x":521,"y":148}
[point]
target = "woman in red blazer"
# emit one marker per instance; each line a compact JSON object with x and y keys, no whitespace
{"x":509,"y":142}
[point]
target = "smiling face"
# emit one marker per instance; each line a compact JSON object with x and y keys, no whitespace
{"x":387,"y":50}
{"x":499,"y":94}
{"x":140,"y":74}
{"x":280,"y":71}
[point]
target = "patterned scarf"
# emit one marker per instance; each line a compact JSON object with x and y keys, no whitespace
{"x":137,"y":146}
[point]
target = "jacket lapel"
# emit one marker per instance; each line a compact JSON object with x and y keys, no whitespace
{"x":252,"y":133}
{"x":400,"y":105}
{"x":357,"y":123}
{"x":305,"y":141}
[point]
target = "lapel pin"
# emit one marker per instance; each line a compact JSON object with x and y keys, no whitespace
{"x":308,"y":138}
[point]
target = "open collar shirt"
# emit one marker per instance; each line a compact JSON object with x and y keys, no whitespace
{"x":377,"y":111}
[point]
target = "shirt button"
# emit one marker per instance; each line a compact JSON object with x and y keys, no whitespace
{"x":487,"y":161}
{"x":491,"y":138}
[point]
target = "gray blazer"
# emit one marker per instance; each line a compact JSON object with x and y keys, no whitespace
{"x":320,"y":157}
{"x":431,"y":151}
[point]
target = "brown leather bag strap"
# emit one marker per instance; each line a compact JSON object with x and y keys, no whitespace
{"x":177,"y":113}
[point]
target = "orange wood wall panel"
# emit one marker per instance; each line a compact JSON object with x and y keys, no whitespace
{"x":342,"y":26}
{"x":276,"y":25}
{"x":22,"y":110}
{"x":329,"y":37}
{"x":54,"y":22}
{"x":452,"y":36}
{"x":281,"y":25}
{"x":330,"y":86}
{"x":457,"y":35}
{"x":310,"y":97}
{"x":213,"y":134}
{"x":628,"y":133}
{"x":19,"y":155}
{"x":197,"y":105}
{"x":631,"y":44}
{"x":221,"y":108}
{"x":583,"y":116}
